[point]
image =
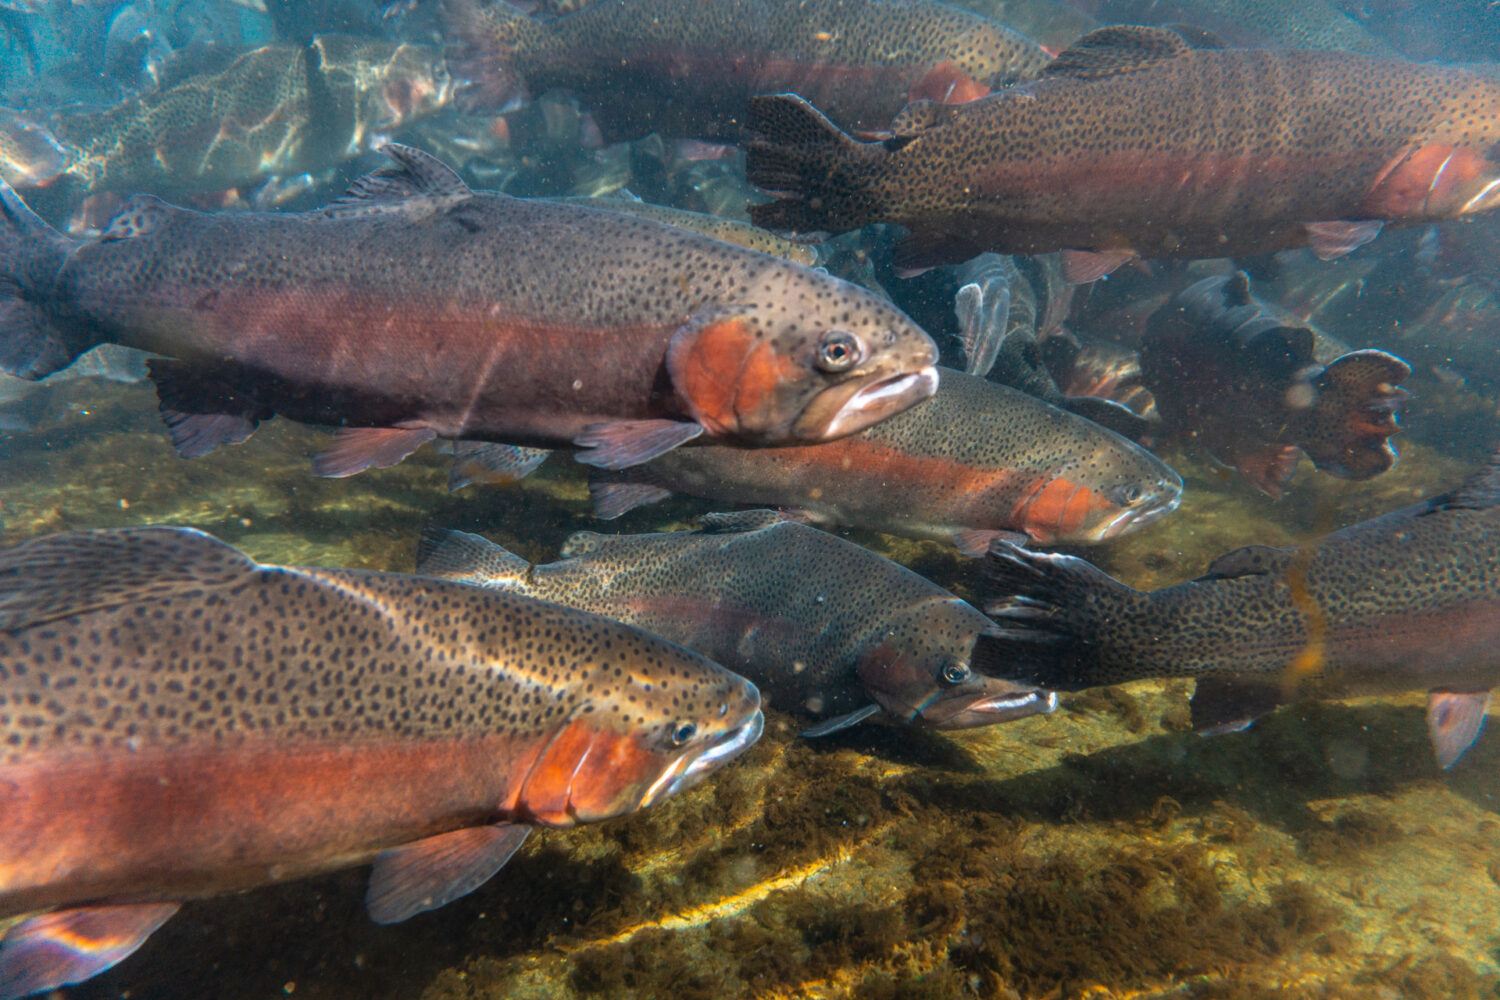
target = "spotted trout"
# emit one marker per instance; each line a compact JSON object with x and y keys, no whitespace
{"x":414,"y":308}
{"x":688,"y":67}
{"x":1407,"y":601}
{"x":177,"y":721}
{"x":821,"y":625}
{"x":1133,"y":144}
{"x":978,"y":461}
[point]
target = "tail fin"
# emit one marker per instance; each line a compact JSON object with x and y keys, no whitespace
{"x":31,"y":252}
{"x":1346,"y":431}
{"x":483,"y":62}
{"x":1053,"y":616}
{"x":468,"y":558}
{"x":820,"y":174}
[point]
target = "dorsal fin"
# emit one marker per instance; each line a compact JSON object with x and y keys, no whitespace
{"x":1481,"y":490}
{"x":140,"y":215}
{"x":1252,"y":560}
{"x":734,"y":522}
{"x":415,"y":175}
{"x":1118,"y":49}
{"x":79,"y":571}
{"x":916,"y":118}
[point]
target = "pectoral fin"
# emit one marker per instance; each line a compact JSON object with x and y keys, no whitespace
{"x":1454,"y":719}
{"x":623,"y":443}
{"x":1083,"y":266}
{"x":1331,"y":240}
{"x":1223,"y":705}
{"x":69,"y":946}
{"x":841,"y":722}
{"x":430,"y":873}
{"x":356,"y":449}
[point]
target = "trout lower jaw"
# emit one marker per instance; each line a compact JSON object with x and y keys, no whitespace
{"x":1137,"y":517}
{"x":999,"y":708}
{"x":872,"y":403}
{"x":686,"y":772}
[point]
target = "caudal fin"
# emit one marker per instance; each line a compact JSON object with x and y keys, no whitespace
{"x":1054,"y":617}
{"x":819,"y":174}
{"x":31,"y":252}
{"x":1347,"y":428}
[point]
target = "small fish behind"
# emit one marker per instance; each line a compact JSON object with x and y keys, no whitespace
{"x":178,"y":722}
{"x":822,"y":626}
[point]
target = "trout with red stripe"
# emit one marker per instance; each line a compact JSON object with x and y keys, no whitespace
{"x":1405,"y":602}
{"x":977,"y":461}
{"x":821,"y":625}
{"x":177,"y":721}
{"x":688,"y":67}
{"x":414,"y":308}
{"x":1133,"y":144}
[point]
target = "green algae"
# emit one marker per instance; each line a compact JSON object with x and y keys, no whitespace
{"x":1103,"y":851}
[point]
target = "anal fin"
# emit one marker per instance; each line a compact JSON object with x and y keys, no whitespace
{"x":201,"y":409}
{"x":1083,"y":266}
{"x":69,"y":946}
{"x":429,"y":873}
{"x":1225,"y":705}
{"x":356,"y":449}
{"x":612,"y":499}
{"x":1331,"y":240}
{"x":1454,"y":719}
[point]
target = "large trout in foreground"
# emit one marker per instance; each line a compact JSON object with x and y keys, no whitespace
{"x":414,"y":308}
{"x":177,"y":721}
{"x":1408,"y":601}
{"x":1132,"y":144}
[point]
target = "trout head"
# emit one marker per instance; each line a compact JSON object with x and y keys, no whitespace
{"x":1108,"y":487}
{"x":930,"y":672}
{"x":811,"y":359}
{"x":662,"y":724}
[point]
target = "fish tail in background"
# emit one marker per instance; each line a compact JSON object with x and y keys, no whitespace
{"x":486,"y":39}
{"x":31,"y":252}
{"x":469,"y":558}
{"x":1052,"y":614}
{"x":1347,"y":428}
{"x":69,"y":946}
{"x":819,"y":173}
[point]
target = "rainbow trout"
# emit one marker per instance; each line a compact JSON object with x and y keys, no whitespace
{"x":979,"y":461}
{"x":414,"y":308}
{"x":1407,"y":601}
{"x":821,"y":625}
{"x":1133,"y":144}
{"x":177,"y":721}
{"x":1248,"y":382}
{"x":688,"y":67}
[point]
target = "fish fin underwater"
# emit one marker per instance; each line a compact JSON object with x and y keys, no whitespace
{"x":623,"y":443}
{"x":356,"y":449}
{"x":202,"y":412}
{"x":798,"y":154}
{"x":489,"y":464}
{"x":418,"y":877}
{"x":58,"y":949}
{"x":1346,"y":432}
{"x":31,"y":345}
{"x":469,"y":558}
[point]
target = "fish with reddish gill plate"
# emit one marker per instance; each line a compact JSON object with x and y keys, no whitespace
{"x":177,"y":721}
{"x":415,"y":308}
{"x":1408,"y":601}
{"x":1256,"y":387}
{"x":688,"y":67}
{"x":1133,"y":144}
{"x":980,"y":460}
{"x":822,"y":626}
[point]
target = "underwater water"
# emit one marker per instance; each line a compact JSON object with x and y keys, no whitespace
{"x":1104,"y":849}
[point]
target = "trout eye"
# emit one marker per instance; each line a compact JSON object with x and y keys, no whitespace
{"x":1128,"y":495}
{"x":838,"y":351}
{"x":682,"y":733}
{"x":956,"y":673}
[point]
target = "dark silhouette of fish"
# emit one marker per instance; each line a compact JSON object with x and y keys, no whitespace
{"x":414,"y":308}
{"x":977,"y":461}
{"x":1407,"y":601}
{"x":177,"y":721}
{"x":1133,"y":144}
{"x":687,"y":67}
{"x":1248,"y":383}
{"x":823,"y":627}
{"x":1298,"y":24}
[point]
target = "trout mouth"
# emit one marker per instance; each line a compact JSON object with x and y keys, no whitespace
{"x":687,"y":770}
{"x":1141,"y":515}
{"x":988,"y":709}
{"x":853,"y":406}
